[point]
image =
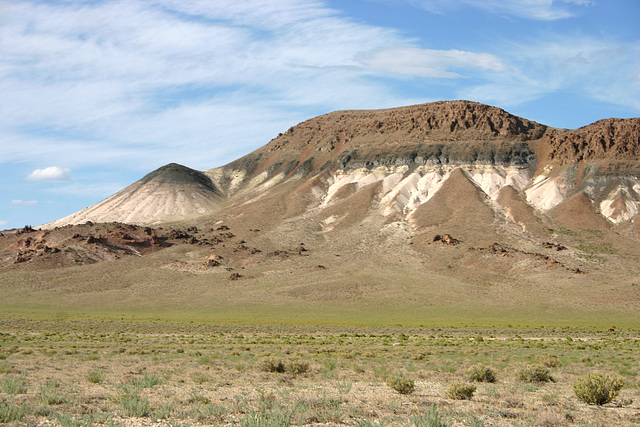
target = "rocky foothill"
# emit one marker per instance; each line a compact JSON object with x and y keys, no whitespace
{"x":90,"y":243}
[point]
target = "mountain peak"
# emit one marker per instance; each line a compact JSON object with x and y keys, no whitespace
{"x":177,"y":174}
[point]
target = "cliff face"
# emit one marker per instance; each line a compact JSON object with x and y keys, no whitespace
{"x":609,"y":139}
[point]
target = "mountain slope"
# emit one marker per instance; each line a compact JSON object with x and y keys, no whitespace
{"x":173,"y":192}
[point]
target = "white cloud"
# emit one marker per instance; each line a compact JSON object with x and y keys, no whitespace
{"x":544,"y":10}
{"x":598,"y":69}
{"x":51,"y":174}
{"x":95,"y":83}
{"x":23,"y":202}
{"x":3,"y":223}
{"x":429,"y":62}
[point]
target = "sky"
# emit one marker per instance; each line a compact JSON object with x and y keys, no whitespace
{"x":96,"y":94}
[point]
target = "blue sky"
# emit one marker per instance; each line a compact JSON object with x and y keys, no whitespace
{"x":95,"y":94}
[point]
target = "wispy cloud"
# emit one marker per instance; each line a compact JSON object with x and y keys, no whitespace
{"x":544,"y":10}
{"x":429,"y":62}
{"x":50,"y":174}
{"x":3,"y":223}
{"x":169,"y":76}
{"x":599,"y":69}
{"x":23,"y":202}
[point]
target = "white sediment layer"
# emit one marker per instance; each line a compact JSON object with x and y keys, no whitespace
{"x":546,"y":193}
{"x":402,"y":192}
{"x":621,"y":204}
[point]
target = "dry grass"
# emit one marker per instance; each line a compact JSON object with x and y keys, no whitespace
{"x":74,"y":373}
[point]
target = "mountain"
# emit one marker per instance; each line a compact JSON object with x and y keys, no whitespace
{"x":173,"y":191}
{"x":410,"y":151}
{"x":381,"y":208}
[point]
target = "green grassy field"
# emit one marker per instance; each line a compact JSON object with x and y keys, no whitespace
{"x":330,"y":315}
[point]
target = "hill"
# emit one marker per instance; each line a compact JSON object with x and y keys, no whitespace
{"x":444,"y":212}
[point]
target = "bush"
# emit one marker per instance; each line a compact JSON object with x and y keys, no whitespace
{"x":95,"y":376}
{"x":550,"y":361}
{"x":461,"y":391}
{"x":272,"y":365}
{"x":293,"y":367}
{"x":401,"y":384}
{"x":481,"y":373}
{"x":297,"y":367}
{"x":597,"y":388}
{"x":535,"y":374}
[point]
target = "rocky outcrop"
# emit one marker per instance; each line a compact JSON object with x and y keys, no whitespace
{"x":444,"y":121}
{"x":445,"y":239}
{"x":611,"y":139}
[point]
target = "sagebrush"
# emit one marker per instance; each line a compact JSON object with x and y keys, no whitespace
{"x":535,"y":374}
{"x":481,"y":373}
{"x":597,"y":388}
{"x":461,"y":391}
{"x":401,"y":384}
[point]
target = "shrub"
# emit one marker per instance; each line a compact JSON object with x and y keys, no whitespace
{"x":597,"y":388}
{"x":272,"y":365}
{"x":535,"y":374}
{"x":297,"y":367}
{"x":481,"y":373}
{"x":95,"y":376}
{"x":550,"y":361}
{"x":401,"y":384}
{"x":461,"y":391}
